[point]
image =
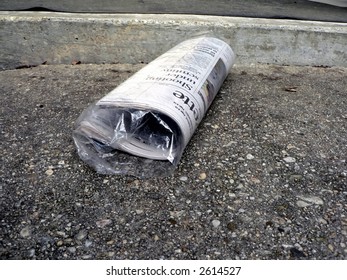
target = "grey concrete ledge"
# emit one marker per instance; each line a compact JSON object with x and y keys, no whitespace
{"x":32,"y":38}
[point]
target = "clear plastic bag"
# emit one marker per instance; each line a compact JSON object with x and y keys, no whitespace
{"x":123,"y":130}
{"x":142,"y":127}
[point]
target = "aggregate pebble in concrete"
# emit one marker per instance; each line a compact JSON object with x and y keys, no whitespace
{"x":264,"y":177}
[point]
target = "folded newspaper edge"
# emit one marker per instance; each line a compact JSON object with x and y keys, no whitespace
{"x":154,"y":113}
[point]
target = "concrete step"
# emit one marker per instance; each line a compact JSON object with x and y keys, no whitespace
{"x":33,"y":38}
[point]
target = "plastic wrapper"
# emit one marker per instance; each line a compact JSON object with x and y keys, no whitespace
{"x":142,"y":127}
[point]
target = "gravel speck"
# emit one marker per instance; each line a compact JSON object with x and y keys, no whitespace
{"x":312,"y":199}
{"x":232,"y":226}
{"x":249,"y":156}
{"x":183,"y":178}
{"x":202,"y":176}
{"x":302,"y":204}
{"x":88,"y":243}
{"x":81,"y":235}
{"x":87,"y":257}
{"x":25,"y":232}
{"x":71,"y":249}
{"x":297,"y":254}
{"x":31,"y":253}
{"x":215,"y":223}
{"x":102,"y":223}
{"x":289,"y":159}
{"x":49,"y":172}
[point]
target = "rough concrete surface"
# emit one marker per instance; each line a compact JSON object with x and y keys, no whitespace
{"x":31,"y":38}
{"x":264,"y":177}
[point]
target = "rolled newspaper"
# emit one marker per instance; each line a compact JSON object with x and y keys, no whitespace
{"x":142,"y":127}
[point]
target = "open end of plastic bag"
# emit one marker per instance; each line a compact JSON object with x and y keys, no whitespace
{"x":128,"y":141}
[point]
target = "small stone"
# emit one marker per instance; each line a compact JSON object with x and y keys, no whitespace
{"x":139,"y":211}
{"x":61,"y":233}
{"x":49,"y":172}
{"x":86,"y":257}
{"x":289,"y":159}
{"x":312,"y":199}
{"x":176,"y":214}
{"x":331,"y":247}
{"x":232,"y":226}
{"x":183,"y":178}
{"x":31,"y":253}
{"x":156,"y":237}
{"x":230,"y":143}
{"x":68,"y":240}
{"x":111,"y":254}
{"x":255,"y":180}
{"x":215,"y":223}
{"x":232,"y":195}
{"x":71,"y":249}
{"x":25,"y":232}
{"x":136,"y":182}
{"x":31,"y":166}
{"x":81,"y":235}
{"x":287,"y":246}
{"x":295,"y":177}
{"x":88,"y":243}
{"x":103,"y":223}
{"x":249,"y":156}
{"x":60,"y":243}
{"x":302,"y":204}
{"x":61,"y":162}
{"x":322,"y":155}
{"x":297,"y":254}
{"x":202,"y":176}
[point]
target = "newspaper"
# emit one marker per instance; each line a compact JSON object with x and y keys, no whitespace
{"x":155,"y":112}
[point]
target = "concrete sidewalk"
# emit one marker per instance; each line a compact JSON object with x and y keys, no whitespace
{"x":265,"y":175}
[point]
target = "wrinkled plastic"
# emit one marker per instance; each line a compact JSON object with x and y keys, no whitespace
{"x":130,"y":138}
{"x":147,"y":127}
